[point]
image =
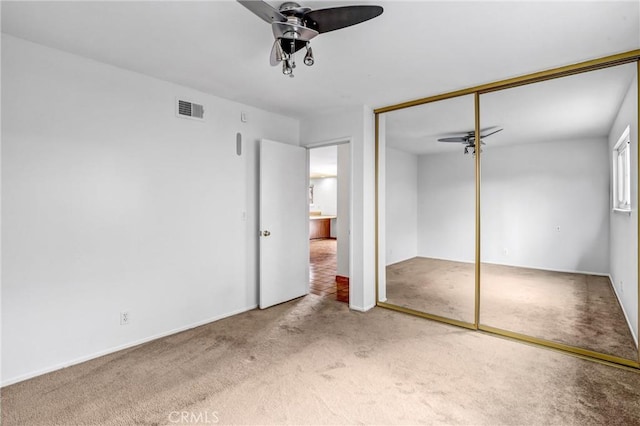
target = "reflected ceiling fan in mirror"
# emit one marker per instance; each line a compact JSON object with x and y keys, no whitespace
{"x":294,"y":26}
{"x":469,"y":139}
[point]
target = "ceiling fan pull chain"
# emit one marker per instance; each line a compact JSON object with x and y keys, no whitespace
{"x":293,"y":56}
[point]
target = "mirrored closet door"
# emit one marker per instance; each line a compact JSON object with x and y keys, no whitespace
{"x":426,"y":187}
{"x":559,"y":211}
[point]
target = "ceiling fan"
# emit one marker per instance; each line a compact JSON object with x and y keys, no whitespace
{"x":294,"y":26}
{"x":469,"y":139}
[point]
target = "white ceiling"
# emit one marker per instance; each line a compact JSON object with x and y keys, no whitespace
{"x":581,"y":106}
{"x":416,"y":129}
{"x":414,"y":49}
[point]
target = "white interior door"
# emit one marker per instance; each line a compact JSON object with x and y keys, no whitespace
{"x":284,"y":223}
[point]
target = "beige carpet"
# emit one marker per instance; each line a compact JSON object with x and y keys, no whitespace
{"x":576,"y":309}
{"x":312,"y":361}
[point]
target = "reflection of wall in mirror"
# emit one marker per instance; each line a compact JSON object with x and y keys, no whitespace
{"x":624,"y":226}
{"x":446,"y":206}
{"x":401,"y":204}
{"x":546,"y":203}
{"x":546,"y":206}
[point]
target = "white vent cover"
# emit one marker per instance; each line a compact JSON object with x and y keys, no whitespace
{"x":188,"y":109}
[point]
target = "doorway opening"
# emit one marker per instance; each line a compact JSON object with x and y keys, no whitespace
{"x":329,"y":220}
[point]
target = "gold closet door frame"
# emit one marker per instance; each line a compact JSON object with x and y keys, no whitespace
{"x":578,"y":68}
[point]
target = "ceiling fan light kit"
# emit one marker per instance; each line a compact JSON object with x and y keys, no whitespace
{"x":294,"y":26}
{"x":308,"y":58}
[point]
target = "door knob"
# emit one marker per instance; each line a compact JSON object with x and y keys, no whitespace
{"x":266,"y":233}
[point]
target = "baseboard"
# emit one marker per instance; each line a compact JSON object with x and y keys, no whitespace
{"x":409,"y":258}
{"x":362,"y":309}
{"x":121,"y":347}
{"x":436,"y":258}
{"x":626,"y":317}
{"x":564,"y":271}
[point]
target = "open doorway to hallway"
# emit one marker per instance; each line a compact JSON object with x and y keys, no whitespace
{"x":329,"y":200}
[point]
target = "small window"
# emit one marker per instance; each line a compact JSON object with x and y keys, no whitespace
{"x":622,"y":173}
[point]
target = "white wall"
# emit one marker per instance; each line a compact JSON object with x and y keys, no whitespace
{"x":624,"y":227}
{"x":325,"y":195}
{"x":547,"y":205}
{"x":357,"y":125}
{"x":446,"y":206}
{"x":401,"y":221}
{"x":112,"y":203}
{"x":343,"y":210}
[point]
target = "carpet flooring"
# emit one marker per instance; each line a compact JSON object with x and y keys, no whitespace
{"x":312,"y":361}
{"x":575,"y":309}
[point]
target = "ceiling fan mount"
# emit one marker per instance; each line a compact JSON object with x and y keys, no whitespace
{"x":294,"y":26}
{"x":292,"y":8}
{"x":468,"y":139}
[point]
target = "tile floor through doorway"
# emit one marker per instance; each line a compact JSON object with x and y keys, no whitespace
{"x":322,"y":276}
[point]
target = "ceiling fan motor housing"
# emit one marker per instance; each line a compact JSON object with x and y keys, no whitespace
{"x":295,"y":33}
{"x":292,"y":31}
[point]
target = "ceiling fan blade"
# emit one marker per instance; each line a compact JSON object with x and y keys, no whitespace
{"x":263,"y":10}
{"x":325,"y":20}
{"x":275,"y":57}
{"x":458,"y":139}
{"x":486,"y":129}
{"x":489,"y":134}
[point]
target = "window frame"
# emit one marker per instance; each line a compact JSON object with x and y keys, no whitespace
{"x":621,"y":178}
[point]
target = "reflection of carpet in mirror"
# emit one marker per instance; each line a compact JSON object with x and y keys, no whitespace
{"x":576,"y":309}
{"x":438,"y":287}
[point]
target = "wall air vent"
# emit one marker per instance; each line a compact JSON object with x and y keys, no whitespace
{"x":188,"y":109}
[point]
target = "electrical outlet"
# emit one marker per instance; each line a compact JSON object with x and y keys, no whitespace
{"x":505,"y":251}
{"x":125,"y":318}
{"x":621,"y":287}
